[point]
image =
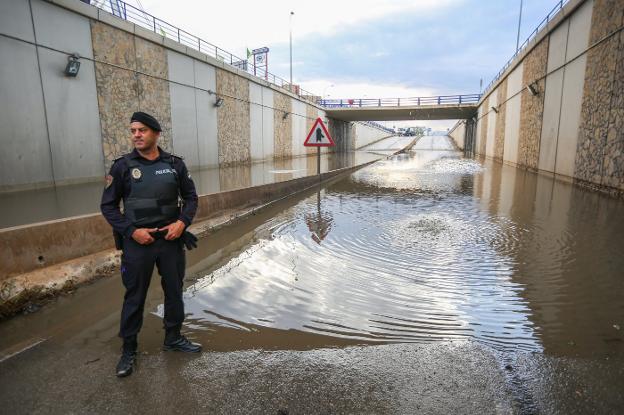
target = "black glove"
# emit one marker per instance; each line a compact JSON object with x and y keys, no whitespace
{"x":189,"y":240}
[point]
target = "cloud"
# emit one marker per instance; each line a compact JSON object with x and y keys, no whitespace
{"x":234,"y":26}
{"x":446,"y":51}
{"x":414,"y":47}
{"x":358,"y":89}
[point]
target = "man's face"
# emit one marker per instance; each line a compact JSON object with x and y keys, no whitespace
{"x":143,"y":137}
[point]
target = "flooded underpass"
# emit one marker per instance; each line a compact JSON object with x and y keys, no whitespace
{"x":426,"y":282}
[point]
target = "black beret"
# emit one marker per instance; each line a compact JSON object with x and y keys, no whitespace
{"x":146,"y":119}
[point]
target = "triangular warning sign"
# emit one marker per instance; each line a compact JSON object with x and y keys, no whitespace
{"x":319,"y":136}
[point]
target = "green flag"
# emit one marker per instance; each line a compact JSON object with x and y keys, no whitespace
{"x":248,"y":53}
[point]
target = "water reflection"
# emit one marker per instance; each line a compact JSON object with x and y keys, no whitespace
{"x":394,"y":268}
{"x":25,"y":207}
{"x":319,"y":222}
{"x":568,"y":260}
{"x":426,"y":247}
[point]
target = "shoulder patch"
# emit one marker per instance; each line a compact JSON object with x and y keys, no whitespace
{"x":177,"y":156}
{"x":109,"y":181}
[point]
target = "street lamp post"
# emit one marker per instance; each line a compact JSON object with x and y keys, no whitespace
{"x":291,"y":81}
{"x":519,"y":21}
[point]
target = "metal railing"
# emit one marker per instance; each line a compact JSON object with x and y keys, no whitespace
{"x":141,"y":18}
{"x":378,"y":126}
{"x":400,"y":102}
{"x":524,"y":44}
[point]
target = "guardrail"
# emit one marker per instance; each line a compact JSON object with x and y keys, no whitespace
{"x":524,"y":44}
{"x":400,"y":102}
{"x":378,"y":126}
{"x":128,"y":12}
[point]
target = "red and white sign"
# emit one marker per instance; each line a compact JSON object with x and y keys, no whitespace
{"x":319,"y":136}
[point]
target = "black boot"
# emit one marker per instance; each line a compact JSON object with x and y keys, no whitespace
{"x":128,"y":357}
{"x":174,"y":341}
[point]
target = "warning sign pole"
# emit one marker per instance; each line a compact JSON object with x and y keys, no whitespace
{"x":318,"y":161}
{"x":318,"y":137}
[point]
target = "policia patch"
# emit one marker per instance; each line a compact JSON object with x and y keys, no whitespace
{"x":136,"y":173}
{"x":109,"y":181}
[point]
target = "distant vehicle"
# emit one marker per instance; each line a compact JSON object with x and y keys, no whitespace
{"x":409,"y":132}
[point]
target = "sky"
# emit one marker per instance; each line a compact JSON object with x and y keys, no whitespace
{"x":367,"y":48}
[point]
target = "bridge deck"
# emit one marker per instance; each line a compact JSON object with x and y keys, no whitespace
{"x":399,"y":113}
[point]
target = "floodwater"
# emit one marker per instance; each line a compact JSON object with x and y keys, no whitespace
{"x":428,"y":247}
{"x":423,"y":283}
{"x":58,"y":202}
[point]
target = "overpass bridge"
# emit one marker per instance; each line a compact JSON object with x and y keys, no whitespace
{"x":443,"y":107}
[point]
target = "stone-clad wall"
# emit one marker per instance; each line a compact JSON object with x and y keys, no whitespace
{"x":283,"y":126}
{"x":352,"y":131}
{"x":121,"y":92}
{"x":573,"y":128}
{"x":600,"y":149}
{"x":342,"y":133}
{"x":613,"y":171}
{"x":117,"y":89}
{"x":484,"y":126}
{"x":532,"y":106}
{"x":312,"y":115}
{"x":499,"y":144}
{"x":153,"y":91}
{"x":233,"y":118}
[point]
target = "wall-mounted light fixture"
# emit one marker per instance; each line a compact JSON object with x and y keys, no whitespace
{"x":285,"y":115}
{"x":73,"y":65}
{"x":532,"y":88}
{"x":495,"y":109}
{"x":218,"y":102}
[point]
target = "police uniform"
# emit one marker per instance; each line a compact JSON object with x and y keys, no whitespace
{"x":150,"y":190}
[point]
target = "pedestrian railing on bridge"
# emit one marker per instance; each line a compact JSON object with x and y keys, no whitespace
{"x":528,"y":40}
{"x":141,"y":18}
{"x":400,"y":102}
{"x":379,"y":126}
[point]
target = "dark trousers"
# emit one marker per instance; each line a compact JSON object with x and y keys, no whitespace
{"x":137,"y":266}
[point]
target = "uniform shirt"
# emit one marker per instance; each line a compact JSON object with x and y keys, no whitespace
{"x":118,"y":188}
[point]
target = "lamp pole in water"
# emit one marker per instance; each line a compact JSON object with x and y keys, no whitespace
{"x":291,"y":84}
{"x":519,"y":21}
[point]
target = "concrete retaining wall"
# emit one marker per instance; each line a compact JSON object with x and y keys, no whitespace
{"x":573,"y":128}
{"x":59,"y":130}
{"x":458,"y":134}
{"x":365,"y":135}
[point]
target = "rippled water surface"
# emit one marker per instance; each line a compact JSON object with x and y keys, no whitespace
{"x":429,"y":246}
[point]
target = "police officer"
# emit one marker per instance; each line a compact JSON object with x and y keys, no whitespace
{"x":151,"y":183}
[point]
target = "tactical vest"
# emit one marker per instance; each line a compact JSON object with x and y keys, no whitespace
{"x":154,"y":192}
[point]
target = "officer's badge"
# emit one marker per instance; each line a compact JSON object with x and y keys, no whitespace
{"x":136,"y":173}
{"x":109,"y":181}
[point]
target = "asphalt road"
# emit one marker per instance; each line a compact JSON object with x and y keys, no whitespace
{"x":77,"y":376}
